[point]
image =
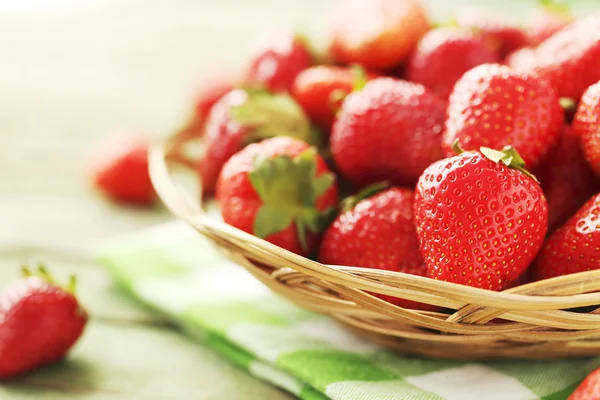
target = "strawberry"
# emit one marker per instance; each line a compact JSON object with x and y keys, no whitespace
{"x":503,"y":36}
{"x":574,"y":247}
{"x":550,"y":18}
{"x":376,"y":230}
{"x":569,"y":59}
{"x":245,"y":116}
{"x":390,"y":130}
{"x":279,"y":189}
{"x":276,"y":61}
{"x":39,"y":322}
{"x":586,"y":124}
{"x":566,"y":179}
{"x":387,"y":32}
{"x":320,"y":91}
{"x":121,"y":172}
{"x":493,"y":106}
{"x":481,"y":218}
{"x":444,"y":55}
{"x":210,"y":91}
{"x":589,"y":389}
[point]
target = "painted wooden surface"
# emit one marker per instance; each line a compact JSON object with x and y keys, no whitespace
{"x":71,"y":74}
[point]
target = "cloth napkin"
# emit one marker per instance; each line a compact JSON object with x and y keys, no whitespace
{"x":176,"y":271}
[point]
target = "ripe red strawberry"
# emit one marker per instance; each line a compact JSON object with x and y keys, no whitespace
{"x":279,"y":189}
{"x":39,"y":323}
{"x":121,"y":172}
{"x":480,"y":219}
{"x":586,"y":124}
{"x":493,"y":106}
{"x":550,"y":18}
{"x":569,"y":59}
{"x":574,"y":247}
{"x":276,"y":61}
{"x":320,"y":91}
{"x":390,"y":130}
{"x":376,"y":230}
{"x":211,"y":89}
{"x":387,"y":32}
{"x":566,"y":179}
{"x":444,"y":55}
{"x":242,"y":117}
{"x":589,"y":389}
{"x":505,"y":37}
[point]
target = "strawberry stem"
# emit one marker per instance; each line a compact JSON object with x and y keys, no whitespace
{"x":351,"y":201}
{"x":509,"y":157}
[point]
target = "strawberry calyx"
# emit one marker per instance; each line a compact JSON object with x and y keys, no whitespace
{"x":42,"y":273}
{"x":289,"y":189}
{"x":351,"y":201}
{"x":509,"y":157}
{"x":269,"y":115}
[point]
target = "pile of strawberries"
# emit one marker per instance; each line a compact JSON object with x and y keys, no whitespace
{"x":434,"y":136}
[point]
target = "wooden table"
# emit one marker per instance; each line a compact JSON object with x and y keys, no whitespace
{"x":72,"y":73}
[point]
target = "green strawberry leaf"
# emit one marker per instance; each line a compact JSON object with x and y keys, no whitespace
{"x":289,"y":189}
{"x":269,"y":115}
{"x":270,"y":220}
{"x":351,"y":201}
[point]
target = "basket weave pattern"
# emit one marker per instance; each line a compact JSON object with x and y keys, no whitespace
{"x":531,"y":321}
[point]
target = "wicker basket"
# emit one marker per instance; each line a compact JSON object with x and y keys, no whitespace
{"x":555,"y":318}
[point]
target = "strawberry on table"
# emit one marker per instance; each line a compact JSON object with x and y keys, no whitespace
{"x":500,"y":34}
{"x":480,"y":217}
{"x":551,"y":17}
{"x":120,"y":171}
{"x":390,"y":130}
{"x":276,"y":61}
{"x":574,"y":247}
{"x":378,"y":34}
{"x":569,"y":59}
{"x":589,"y":389}
{"x":376,"y":230}
{"x":493,"y":106}
{"x":586,"y":125}
{"x":39,"y":322}
{"x":242,"y":117}
{"x":566,"y":179}
{"x":444,"y":55}
{"x":279,"y":189}
{"x":320,"y":91}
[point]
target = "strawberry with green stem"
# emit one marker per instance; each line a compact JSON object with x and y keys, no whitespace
{"x":376,"y":230}
{"x":320,"y":90}
{"x":280,"y":190}
{"x":245,"y":116}
{"x":494,"y":106}
{"x":481,"y":218}
{"x":390,"y":130}
{"x":39,"y":322}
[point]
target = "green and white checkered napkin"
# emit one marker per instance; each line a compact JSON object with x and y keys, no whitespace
{"x":177,"y":272}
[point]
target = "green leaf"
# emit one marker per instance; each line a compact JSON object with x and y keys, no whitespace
{"x":351,"y":201}
{"x":322,"y":183}
{"x":271,"y":220}
{"x":269,"y":115}
{"x":509,"y":157}
{"x":359,"y":77}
